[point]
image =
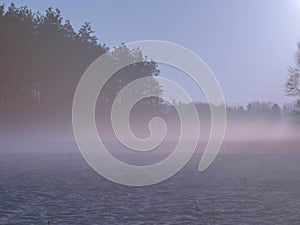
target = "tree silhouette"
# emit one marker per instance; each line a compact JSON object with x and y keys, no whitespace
{"x":42,"y":59}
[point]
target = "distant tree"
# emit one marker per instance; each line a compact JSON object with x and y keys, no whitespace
{"x":276,"y":110}
{"x":287,"y":108}
{"x":296,"y":106}
{"x":262,"y":108}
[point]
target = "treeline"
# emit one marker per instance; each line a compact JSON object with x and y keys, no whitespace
{"x":42,"y":59}
{"x":255,"y":109}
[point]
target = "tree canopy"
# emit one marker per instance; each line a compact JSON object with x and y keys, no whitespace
{"x":293,"y":82}
{"x":43,"y":57}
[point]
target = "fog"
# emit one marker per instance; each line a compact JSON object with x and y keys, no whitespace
{"x":59,"y":138}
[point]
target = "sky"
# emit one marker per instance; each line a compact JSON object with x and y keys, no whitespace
{"x":247,"y":44}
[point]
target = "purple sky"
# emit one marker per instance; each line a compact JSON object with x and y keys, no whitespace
{"x":248,"y":44}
